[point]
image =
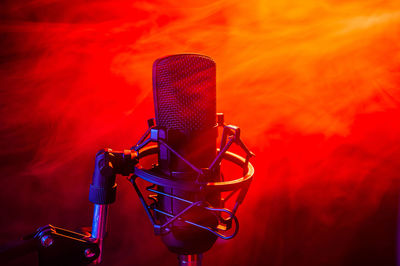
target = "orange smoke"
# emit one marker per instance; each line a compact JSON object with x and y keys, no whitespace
{"x":313,"y":84}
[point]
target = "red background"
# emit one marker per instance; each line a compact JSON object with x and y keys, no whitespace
{"x":314,"y":85}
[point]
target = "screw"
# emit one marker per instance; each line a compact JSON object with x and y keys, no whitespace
{"x":89,"y":253}
{"x":46,"y":241}
{"x":220,"y":119}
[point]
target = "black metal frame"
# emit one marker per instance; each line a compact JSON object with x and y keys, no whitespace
{"x":55,"y":246}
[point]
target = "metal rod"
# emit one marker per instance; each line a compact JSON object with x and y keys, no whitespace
{"x":190,"y":260}
{"x":169,"y":195}
{"x":99,"y":227}
{"x":146,"y":207}
{"x":181,"y":157}
{"x":213,"y":231}
{"x":221,"y":152}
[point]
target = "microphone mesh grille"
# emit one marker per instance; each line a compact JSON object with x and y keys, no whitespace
{"x":185,"y":92}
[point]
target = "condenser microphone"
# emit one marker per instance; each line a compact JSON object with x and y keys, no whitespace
{"x":184,"y":88}
{"x":186,"y":207}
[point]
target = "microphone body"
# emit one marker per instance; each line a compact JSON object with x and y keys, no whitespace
{"x":184,"y":90}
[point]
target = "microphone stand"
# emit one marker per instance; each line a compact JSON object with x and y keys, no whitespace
{"x":58,"y":246}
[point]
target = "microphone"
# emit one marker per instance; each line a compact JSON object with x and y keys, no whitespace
{"x":184,"y":88}
{"x":187,"y":207}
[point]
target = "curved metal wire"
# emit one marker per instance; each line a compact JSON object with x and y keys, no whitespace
{"x":231,"y":134}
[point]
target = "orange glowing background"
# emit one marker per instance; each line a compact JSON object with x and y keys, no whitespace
{"x":314,"y":85}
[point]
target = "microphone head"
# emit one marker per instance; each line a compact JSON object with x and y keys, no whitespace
{"x":185,"y":92}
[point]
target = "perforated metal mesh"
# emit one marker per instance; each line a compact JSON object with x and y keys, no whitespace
{"x":184,"y":92}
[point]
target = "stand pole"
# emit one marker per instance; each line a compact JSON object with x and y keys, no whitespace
{"x":190,"y":260}
{"x":99,"y":227}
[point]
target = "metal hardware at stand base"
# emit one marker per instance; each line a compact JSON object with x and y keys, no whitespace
{"x":55,"y":246}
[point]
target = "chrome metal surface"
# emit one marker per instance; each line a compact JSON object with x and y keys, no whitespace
{"x":99,"y":227}
{"x":89,"y":253}
{"x":46,"y":241}
{"x":190,"y":260}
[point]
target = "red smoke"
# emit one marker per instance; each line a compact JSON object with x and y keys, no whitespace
{"x":314,"y":85}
